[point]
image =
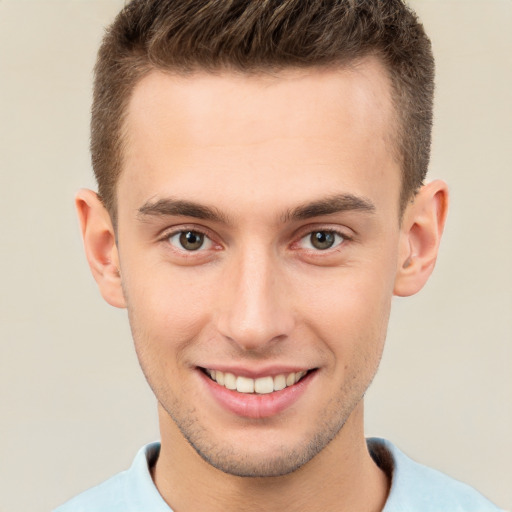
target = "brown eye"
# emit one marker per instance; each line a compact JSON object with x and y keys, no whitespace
{"x":322,"y":240}
{"x":191,"y":240}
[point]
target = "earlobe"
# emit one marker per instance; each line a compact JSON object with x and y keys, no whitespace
{"x":422,"y":228}
{"x":100,"y":246}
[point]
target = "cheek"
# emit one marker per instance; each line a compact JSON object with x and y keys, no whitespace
{"x":167,"y":315}
{"x":167,"y":309}
{"x":349,"y":309}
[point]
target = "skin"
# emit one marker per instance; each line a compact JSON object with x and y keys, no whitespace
{"x":257,"y":164}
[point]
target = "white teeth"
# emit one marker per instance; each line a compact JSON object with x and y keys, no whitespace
{"x":229,"y":381}
{"x":279,"y":382}
{"x":262,"y":385}
{"x":244,"y":385}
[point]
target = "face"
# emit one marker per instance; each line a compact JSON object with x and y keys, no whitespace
{"x":258,"y":228}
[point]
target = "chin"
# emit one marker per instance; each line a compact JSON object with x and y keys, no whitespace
{"x":257,"y":466}
{"x":258,"y":458}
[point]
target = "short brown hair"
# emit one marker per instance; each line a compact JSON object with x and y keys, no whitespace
{"x":184,"y":36}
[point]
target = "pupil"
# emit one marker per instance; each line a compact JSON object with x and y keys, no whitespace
{"x":191,"y":240}
{"x":322,"y":239}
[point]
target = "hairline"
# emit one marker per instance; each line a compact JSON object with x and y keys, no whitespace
{"x":394,"y":137}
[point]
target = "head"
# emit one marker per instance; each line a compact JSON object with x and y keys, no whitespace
{"x":258,"y":160}
{"x":186,"y":36}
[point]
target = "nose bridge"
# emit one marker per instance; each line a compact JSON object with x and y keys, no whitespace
{"x":254,"y":311}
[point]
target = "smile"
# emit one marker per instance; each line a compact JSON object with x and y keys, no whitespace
{"x":261,"y":385}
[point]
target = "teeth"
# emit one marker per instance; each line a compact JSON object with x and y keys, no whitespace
{"x":262,"y":385}
{"x":229,"y":381}
{"x":279,"y":382}
{"x":244,"y":385}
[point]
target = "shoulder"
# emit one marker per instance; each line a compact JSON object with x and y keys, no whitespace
{"x":107,"y":496}
{"x":418,"y":488}
{"x":130,"y":490}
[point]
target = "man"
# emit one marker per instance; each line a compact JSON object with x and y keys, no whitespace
{"x":261,"y":198}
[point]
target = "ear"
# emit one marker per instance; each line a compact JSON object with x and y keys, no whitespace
{"x":422,"y":227}
{"x":100,"y":246}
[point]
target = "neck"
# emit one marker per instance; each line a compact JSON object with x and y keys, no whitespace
{"x":343,"y":477}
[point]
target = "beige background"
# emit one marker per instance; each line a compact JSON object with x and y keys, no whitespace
{"x":74,"y":405}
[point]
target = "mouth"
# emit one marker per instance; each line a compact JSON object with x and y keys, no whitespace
{"x":262,"y":396}
{"x":260,"y":386}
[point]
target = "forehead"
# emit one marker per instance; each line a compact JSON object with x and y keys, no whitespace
{"x":211,"y":135}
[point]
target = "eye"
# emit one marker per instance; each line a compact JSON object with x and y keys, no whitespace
{"x":190,"y":240}
{"x":321,"y":240}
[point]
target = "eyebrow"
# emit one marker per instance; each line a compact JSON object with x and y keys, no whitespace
{"x":329,"y":206}
{"x":325,"y":206}
{"x":181,"y":208}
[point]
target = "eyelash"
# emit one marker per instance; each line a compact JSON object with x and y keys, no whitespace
{"x":328,"y":250}
{"x":167,"y":236}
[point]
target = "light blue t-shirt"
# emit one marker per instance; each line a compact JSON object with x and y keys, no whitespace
{"x":414,"y":487}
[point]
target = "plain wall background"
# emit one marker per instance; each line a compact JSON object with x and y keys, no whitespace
{"x":74,"y":405}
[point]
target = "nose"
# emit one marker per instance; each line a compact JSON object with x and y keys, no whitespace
{"x":255,"y":311}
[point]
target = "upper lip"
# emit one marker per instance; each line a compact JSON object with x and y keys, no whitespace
{"x":255,"y":373}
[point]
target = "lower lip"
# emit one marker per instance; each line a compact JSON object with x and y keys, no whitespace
{"x":251,"y":405}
